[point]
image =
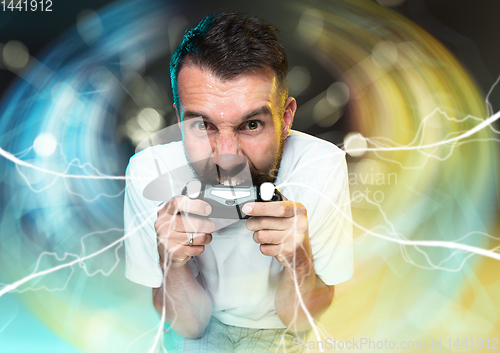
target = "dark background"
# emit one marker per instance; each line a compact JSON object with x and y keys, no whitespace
{"x":469,"y":29}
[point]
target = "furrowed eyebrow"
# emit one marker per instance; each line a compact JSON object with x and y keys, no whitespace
{"x":191,"y":114}
{"x":188,"y":114}
{"x":259,"y":111}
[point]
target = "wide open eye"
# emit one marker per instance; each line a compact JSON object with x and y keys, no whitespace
{"x":199,"y":125}
{"x":253,"y":124}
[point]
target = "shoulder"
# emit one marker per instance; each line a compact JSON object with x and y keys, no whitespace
{"x":311,"y":167}
{"x":304,"y":143}
{"x":301,"y":148}
{"x":152,"y":162}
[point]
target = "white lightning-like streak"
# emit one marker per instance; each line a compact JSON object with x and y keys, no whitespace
{"x":489,"y":107}
{"x":424,"y":243}
{"x":14,"y":159}
{"x":485,"y":123}
{"x":433,"y":266}
{"x":421,"y":130}
{"x":405,"y":242}
{"x":10,"y":320}
{"x":141,"y":336}
{"x":445,"y":244}
{"x":11,"y":287}
{"x":73,"y":162}
{"x":455,"y":141}
{"x":428,"y":156}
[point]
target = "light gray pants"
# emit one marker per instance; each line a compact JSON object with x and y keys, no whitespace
{"x":222,"y":338}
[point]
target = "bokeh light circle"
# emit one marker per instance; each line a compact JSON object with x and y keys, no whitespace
{"x":45,"y":144}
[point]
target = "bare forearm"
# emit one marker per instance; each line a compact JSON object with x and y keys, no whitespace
{"x":301,"y":297}
{"x":187,"y":306}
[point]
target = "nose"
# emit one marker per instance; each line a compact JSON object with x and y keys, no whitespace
{"x":226,"y":143}
{"x":227,"y":152}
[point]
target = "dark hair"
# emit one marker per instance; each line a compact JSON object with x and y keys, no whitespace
{"x":230,"y":44}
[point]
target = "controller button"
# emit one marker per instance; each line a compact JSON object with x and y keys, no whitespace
{"x":193,"y":189}
{"x":267,"y":191}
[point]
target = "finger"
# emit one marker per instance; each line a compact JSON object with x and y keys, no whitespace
{"x":195,"y":250}
{"x":179,"y":260}
{"x":271,"y":249}
{"x":190,"y":223}
{"x":187,"y":205}
{"x":183,"y":223}
{"x":268,"y":223}
{"x":198,"y":239}
{"x":181,"y":250}
{"x":274,"y":209}
{"x":168,"y":259}
{"x":269,"y":237}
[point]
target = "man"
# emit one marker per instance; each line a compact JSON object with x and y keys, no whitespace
{"x":248,"y":286}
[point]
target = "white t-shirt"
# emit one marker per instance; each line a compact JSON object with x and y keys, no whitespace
{"x":239,"y":279}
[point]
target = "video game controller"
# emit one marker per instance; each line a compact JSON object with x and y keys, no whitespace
{"x":227,"y":201}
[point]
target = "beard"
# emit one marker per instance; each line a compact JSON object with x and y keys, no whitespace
{"x":271,"y":173}
{"x":236,"y":170}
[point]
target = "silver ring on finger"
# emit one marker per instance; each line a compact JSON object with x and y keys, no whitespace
{"x":190,"y":239}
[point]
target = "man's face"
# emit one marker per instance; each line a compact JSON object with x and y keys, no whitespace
{"x":234,"y":121}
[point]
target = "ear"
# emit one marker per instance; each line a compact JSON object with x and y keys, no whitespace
{"x":288,"y":115}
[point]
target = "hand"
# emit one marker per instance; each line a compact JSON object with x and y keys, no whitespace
{"x":178,"y":220}
{"x":282,"y":230}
